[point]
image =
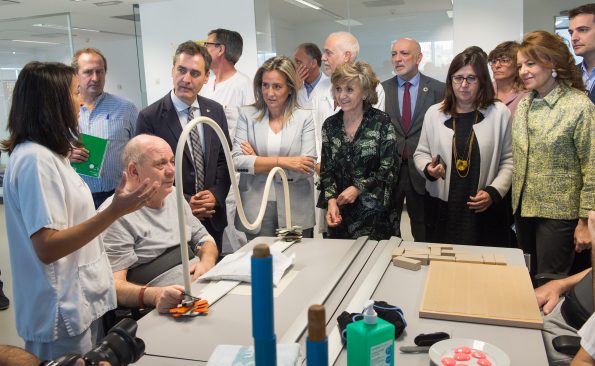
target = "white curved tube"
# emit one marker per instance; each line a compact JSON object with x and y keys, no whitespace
{"x":231,"y":169}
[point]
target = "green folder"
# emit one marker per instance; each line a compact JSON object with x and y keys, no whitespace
{"x":97,"y":147}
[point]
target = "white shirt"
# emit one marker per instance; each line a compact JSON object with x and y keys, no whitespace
{"x":232,"y":93}
{"x":587,"y":333}
{"x":273,"y":149}
{"x":182,"y":110}
{"x":304,"y":100}
{"x":41,"y":190}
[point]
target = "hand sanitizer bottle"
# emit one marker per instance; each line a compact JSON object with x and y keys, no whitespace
{"x":371,"y":341}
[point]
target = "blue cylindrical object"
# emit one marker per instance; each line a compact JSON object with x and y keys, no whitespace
{"x":263,"y":315}
{"x":317,"y":352}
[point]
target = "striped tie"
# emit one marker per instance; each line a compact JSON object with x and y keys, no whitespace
{"x":197,"y":158}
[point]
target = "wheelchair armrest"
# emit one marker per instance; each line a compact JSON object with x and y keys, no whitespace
{"x":568,"y":345}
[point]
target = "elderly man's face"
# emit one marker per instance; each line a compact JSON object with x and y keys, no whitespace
{"x":157,"y":164}
{"x":332,"y":55}
{"x":406,"y":58}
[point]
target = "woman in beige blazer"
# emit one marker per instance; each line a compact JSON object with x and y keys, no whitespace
{"x":275,"y":132}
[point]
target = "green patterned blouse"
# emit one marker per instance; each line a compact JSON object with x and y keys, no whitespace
{"x":367,"y":163}
{"x":553,"y":151}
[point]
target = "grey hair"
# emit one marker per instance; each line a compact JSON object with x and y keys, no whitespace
{"x":346,"y":42}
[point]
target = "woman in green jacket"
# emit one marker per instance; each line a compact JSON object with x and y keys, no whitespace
{"x":553,"y":183}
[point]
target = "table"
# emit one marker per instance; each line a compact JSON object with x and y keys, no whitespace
{"x":342,"y":274}
{"x":322,"y":272}
{"x":404,"y":288}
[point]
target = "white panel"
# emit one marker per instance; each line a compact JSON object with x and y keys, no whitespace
{"x":166,"y":24}
{"x":486,"y":23}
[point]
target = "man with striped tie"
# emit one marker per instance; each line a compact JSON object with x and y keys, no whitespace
{"x":206,"y":179}
{"x":102,"y":115}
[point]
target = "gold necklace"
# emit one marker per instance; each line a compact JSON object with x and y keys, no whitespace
{"x":463,"y":165}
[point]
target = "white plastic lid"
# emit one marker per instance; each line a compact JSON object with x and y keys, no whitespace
{"x":369,"y":313}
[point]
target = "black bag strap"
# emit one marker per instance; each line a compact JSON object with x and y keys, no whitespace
{"x":146,"y":272}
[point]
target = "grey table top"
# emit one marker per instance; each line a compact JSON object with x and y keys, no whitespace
{"x":181,"y":343}
{"x":404,"y":288}
{"x":229,"y":320}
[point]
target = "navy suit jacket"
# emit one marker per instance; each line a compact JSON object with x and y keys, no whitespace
{"x":161,"y":119}
{"x":430,"y":92}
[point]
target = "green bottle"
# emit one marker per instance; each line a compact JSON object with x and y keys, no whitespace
{"x":371,"y":341}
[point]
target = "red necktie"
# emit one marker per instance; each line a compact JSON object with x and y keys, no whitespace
{"x":406,"y":116}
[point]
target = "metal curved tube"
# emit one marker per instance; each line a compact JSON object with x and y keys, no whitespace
{"x":231,"y":169}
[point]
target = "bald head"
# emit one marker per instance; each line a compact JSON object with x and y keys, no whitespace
{"x":149,"y":158}
{"x":339,"y":48}
{"x":406,"y":56}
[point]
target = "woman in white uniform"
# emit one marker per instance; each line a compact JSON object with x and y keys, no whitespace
{"x":275,"y":132}
{"x":62,"y":278}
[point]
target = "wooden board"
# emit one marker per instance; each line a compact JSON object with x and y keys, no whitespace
{"x":478,"y":293}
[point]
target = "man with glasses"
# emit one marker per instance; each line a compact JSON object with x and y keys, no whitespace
{"x":582,"y":33}
{"x":232,"y":89}
{"x":102,"y":115}
{"x":206,"y":179}
{"x":409,"y":94}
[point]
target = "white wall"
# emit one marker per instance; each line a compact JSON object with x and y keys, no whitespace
{"x":539,"y":14}
{"x":375,"y":37}
{"x":122,"y":77}
{"x":486,"y":23}
{"x":164,"y":25}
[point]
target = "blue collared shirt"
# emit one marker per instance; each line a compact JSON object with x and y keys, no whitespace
{"x":113,"y":118}
{"x":310,"y":87}
{"x":588,"y":77}
{"x":412,"y":92}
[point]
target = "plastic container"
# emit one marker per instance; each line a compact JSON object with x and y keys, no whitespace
{"x":371,"y":341}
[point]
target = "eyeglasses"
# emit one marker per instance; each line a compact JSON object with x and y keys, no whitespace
{"x":504,"y":61}
{"x":216,"y":44}
{"x":458,"y":79}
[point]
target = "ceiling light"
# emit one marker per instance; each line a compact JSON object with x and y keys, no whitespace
{"x":348,"y":22}
{"x":308,"y":4}
{"x":40,"y":42}
{"x":305,"y":4}
{"x":63,"y":27}
{"x":108,"y":3}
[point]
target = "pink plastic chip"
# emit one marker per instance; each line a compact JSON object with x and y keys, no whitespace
{"x":484,"y":362}
{"x":462,"y":357}
{"x":478,"y":354}
{"x":462,"y":350}
{"x":448,"y":361}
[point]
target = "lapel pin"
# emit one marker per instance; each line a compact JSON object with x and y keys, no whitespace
{"x":425,"y":89}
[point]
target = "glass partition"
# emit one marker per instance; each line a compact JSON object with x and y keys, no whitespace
{"x":40,"y":38}
{"x":282,"y":25}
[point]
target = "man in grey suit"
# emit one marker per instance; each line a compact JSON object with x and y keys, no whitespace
{"x":408,"y":96}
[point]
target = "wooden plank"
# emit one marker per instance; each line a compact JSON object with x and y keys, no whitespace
{"x":398,"y":252}
{"x":423,"y":258}
{"x":477,"y":293}
{"x":407,"y":263}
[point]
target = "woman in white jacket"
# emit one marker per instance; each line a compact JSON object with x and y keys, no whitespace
{"x":275,"y":132}
{"x":465,"y":154}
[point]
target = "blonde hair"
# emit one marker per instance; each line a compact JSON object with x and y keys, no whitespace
{"x":363,"y":73}
{"x":285,"y":66}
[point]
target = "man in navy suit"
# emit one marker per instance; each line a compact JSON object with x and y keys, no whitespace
{"x":205,"y":178}
{"x":582,"y":33}
{"x":408,"y":96}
